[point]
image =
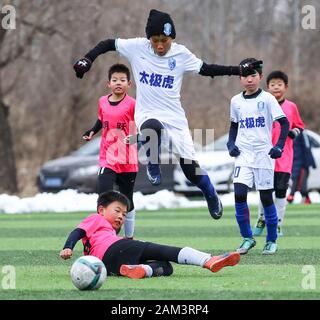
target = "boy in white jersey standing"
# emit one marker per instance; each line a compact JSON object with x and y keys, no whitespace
{"x":277,"y":84}
{"x":158,"y":65}
{"x":252,"y":113}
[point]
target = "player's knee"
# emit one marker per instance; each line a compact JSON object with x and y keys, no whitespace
{"x":191,"y":170}
{"x":266,"y":198}
{"x":239,"y":198}
{"x":280,"y":193}
{"x":240,"y":192}
{"x":151,"y":125}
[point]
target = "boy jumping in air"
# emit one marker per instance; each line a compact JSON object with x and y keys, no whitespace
{"x":133,"y":258}
{"x":252,"y":113}
{"x":158,"y":65}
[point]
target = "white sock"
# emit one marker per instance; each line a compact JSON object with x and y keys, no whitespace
{"x":260,"y":211}
{"x":148,"y":269}
{"x":280,"y":204}
{"x":129,"y":224}
{"x":191,"y":256}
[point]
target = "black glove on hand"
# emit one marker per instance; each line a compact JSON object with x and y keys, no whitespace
{"x":233,"y":149}
{"x":248,"y":68}
{"x":275,"y":152}
{"x":81,"y":67}
{"x":294,"y":133}
{"x":87,"y":133}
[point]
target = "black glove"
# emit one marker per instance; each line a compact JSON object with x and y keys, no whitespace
{"x":87,"y":133}
{"x":275,"y":152}
{"x":294,"y":133}
{"x":248,"y":68}
{"x":82,"y":66}
{"x":233,"y":149}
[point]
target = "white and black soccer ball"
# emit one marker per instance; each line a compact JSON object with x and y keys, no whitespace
{"x":88,"y":273}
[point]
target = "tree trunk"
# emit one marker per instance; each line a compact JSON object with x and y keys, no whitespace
{"x":8,"y":177}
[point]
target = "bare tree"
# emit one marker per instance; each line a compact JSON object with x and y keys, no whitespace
{"x":44,"y":108}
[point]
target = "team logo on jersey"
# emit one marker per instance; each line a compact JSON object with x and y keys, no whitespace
{"x":260,"y":106}
{"x":172,"y":63}
{"x":167,"y":28}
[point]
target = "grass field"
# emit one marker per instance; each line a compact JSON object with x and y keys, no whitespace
{"x":31,"y":243}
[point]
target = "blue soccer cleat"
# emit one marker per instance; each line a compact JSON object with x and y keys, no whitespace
{"x":214,"y":206}
{"x":154,"y":174}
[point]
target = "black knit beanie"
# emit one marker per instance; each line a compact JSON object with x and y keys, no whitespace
{"x":160,"y":23}
{"x":246,"y":62}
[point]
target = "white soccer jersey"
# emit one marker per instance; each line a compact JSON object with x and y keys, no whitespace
{"x":158,"y":79}
{"x":255,"y":117}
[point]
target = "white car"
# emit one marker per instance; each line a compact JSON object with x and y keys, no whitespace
{"x":216,"y":160}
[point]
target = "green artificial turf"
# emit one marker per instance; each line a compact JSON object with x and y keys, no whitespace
{"x":32,"y":242}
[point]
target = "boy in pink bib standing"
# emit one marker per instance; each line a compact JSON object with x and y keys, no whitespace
{"x":118,"y":161}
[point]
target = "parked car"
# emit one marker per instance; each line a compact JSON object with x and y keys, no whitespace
{"x":216,"y":160}
{"x":79,"y":171}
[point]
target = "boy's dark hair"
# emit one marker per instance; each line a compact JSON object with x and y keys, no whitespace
{"x":108,"y":197}
{"x":118,"y":67}
{"x":246,"y":62}
{"x":278,"y":74}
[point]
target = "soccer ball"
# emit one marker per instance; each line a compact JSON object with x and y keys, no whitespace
{"x":88,"y":273}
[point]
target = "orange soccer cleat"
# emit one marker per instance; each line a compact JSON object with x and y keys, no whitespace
{"x":135,"y":271}
{"x":218,"y":262}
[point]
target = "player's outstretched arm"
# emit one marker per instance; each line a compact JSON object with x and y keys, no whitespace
{"x":213,"y":70}
{"x":83,"y":65}
{"x":74,"y":237}
{"x":91,"y":132}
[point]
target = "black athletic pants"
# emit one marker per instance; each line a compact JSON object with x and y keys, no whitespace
{"x":127,"y":251}
{"x":109,"y":179}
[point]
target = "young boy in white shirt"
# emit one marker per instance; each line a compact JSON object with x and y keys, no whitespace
{"x":252,"y":113}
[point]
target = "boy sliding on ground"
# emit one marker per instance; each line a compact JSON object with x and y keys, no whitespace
{"x":252,"y":113}
{"x":133,"y":258}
